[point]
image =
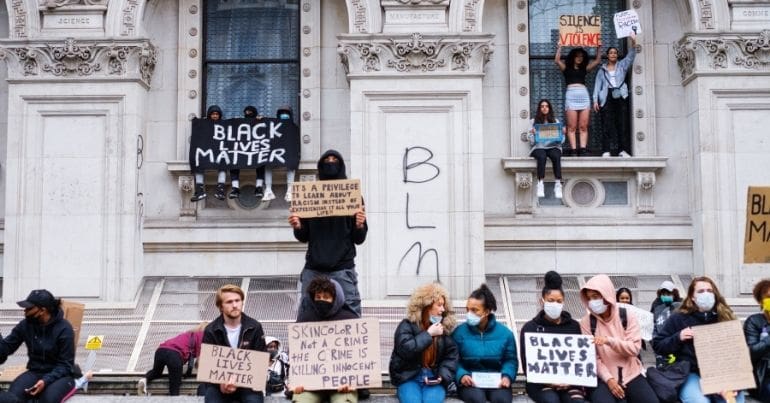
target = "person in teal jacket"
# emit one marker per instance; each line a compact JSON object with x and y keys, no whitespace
{"x":485,"y":346}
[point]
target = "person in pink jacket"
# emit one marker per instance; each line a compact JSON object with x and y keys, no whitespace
{"x":618,"y":342}
{"x":173,"y":354}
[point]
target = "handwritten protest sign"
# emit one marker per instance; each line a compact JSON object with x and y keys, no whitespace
{"x":326,"y":198}
{"x":722,"y":368}
{"x":327,"y":355}
{"x":243,"y":143}
{"x":580,"y":30}
{"x":549,"y":133}
{"x":627,"y":23}
{"x":244,"y":368}
{"x":645,"y":318}
{"x":560,"y":359}
{"x":756,"y":246}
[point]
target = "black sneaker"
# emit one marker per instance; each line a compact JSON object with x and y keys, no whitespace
{"x":220,"y":192}
{"x":199,"y":194}
{"x":259,"y":192}
{"x":235,"y":193}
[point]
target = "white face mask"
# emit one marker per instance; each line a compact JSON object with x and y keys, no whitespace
{"x":705,"y":301}
{"x":553,"y":309}
{"x":597,"y":306}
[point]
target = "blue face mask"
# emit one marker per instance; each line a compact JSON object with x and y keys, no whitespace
{"x":284,"y":116}
{"x":472,"y":319}
{"x":667,"y":299}
{"x":435,"y":319}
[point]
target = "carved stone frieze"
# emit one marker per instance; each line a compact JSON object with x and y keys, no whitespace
{"x":359,"y":16}
{"x":72,"y":58}
{"x":471,"y":15}
{"x":188,"y":211}
{"x":128,"y":18}
{"x":19,"y":12}
{"x":62,"y":3}
{"x":706,"y":14}
{"x":524,"y":194}
{"x":699,"y":54}
{"x":417,"y":2}
{"x":415,"y":54}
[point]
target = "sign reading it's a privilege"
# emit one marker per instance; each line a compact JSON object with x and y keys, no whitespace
{"x":756,"y":246}
{"x":243,"y":143}
{"x":560,"y":359}
{"x":580,"y":30}
{"x":243,"y":368}
{"x":328,"y":355}
{"x":326,"y":198}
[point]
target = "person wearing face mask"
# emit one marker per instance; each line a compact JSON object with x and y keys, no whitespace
{"x":667,"y":302}
{"x":326,"y":302}
{"x":703,"y":305}
{"x":173,"y":354}
{"x":424,"y":357}
{"x":618,"y":342}
{"x":283,"y":113}
{"x":756,"y":329}
{"x":551,"y":319}
{"x":331,"y":240}
{"x":278,"y":368}
{"x":484,"y":346}
{"x":50,"y":343}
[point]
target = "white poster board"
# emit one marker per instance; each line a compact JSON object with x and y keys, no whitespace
{"x":627,"y":23}
{"x":560,"y":359}
{"x":645,"y":318}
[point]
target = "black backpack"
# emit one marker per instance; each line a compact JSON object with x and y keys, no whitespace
{"x":623,"y":320}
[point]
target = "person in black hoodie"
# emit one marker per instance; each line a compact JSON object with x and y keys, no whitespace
{"x":251,"y":112}
{"x":326,"y":302}
{"x":284,"y":113}
{"x":235,"y":329}
{"x":551,"y":319}
{"x":331,"y":240}
{"x":50,"y":343}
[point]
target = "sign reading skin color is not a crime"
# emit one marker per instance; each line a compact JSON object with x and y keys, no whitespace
{"x":329,"y":355}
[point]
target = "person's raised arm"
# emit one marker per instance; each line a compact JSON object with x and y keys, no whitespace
{"x":598,"y":59}
{"x":557,"y":58}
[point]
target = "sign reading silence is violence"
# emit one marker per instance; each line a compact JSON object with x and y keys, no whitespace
{"x":580,"y":30}
{"x":243,"y":143}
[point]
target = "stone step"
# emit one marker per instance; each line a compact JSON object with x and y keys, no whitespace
{"x":83,"y":398}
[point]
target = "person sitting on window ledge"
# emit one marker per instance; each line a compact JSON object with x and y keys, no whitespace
{"x":542,"y":150}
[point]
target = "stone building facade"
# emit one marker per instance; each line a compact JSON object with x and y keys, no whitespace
{"x":429,"y":101}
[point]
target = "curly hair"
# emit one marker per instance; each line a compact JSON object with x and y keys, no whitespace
{"x":724,"y":312}
{"x":760,"y":290}
{"x":485,"y":295}
{"x":321,"y":285}
{"x":571,"y":59}
{"x":421,"y":300}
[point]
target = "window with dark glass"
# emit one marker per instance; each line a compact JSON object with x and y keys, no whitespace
{"x":251,"y":55}
{"x":546,"y":80}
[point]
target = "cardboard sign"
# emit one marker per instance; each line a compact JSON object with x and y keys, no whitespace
{"x":326,"y":198}
{"x":580,"y":30}
{"x":94,"y":342}
{"x":10,"y":373}
{"x":73,"y":312}
{"x":626,"y":23}
{"x":722,"y":368}
{"x":244,"y":368}
{"x":243,"y":143}
{"x":756,"y":246}
{"x":549,"y":133}
{"x":645,"y":318}
{"x":560,"y":359}
{"x":327,"y":355}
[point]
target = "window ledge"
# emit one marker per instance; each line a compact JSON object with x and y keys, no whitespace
{"x":642,"y":169}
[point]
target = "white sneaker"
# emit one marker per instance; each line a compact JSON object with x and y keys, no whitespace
{"x":288,"y":196}
{"x":557,"y":189}
{"x":606,"y":154}
{"x":540,"y":189}
{"x":624,"y":154}
{"x":141,"y":387}
{"x":269,"y":195}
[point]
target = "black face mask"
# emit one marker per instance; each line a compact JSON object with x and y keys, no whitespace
{"x":323,"y":307}
{"x":32,"y":318}
{"x":330,"y":169}
{"x":273,"y":354}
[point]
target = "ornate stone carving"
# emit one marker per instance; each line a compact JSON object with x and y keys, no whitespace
{"x":524,"y":193}
{"x":360,"y":23}
{"x":723,"y":53}
{"x":19,"y":10}
{"x":415,"y":2}
{"x":61,"y":3}
{"x":415,"y":54}
{"x":706,"y":14}
{"x":83,"y":58}
{"x":187,"y":211}
{"x":128,"y":17}
{"x":471,"y":15}
{"x":645,"y":182}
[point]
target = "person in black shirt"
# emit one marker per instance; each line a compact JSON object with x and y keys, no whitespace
{"x":577,"y":102}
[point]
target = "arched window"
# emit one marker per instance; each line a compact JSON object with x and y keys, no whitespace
{"x":546,"y":81}
{"x":251,"y":55}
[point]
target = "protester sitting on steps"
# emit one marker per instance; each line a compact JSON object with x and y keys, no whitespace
{"x":756,"y":329}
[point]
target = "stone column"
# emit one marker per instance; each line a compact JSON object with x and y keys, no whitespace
{"x":75,"y":138}
{"x":416,"y":143}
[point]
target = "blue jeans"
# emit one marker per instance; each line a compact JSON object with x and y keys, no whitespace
{"x":691,"y":392}
{"x":416,"y":391}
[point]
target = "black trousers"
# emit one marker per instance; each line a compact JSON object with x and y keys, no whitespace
{"x":477,"y":395}
{"x":171,"y":359}
{"x":241,"y":395}
{"x":614,"y":115}
{"x":637,"y":391}
{"x":52,"y":393}
{"x":554,"y":154}
{"x":544,"y":394}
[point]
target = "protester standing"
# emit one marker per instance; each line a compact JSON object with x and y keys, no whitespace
{"x":577,"y":102}
{"x":610,"y":99}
